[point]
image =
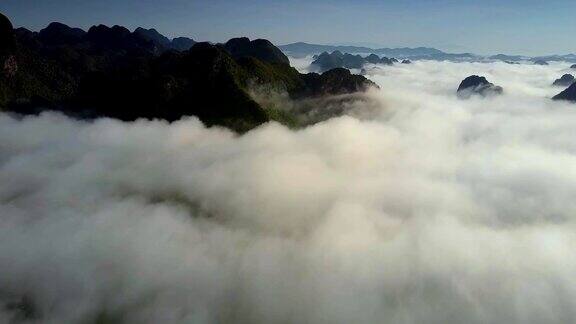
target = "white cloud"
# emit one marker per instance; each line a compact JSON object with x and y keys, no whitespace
{"x":437,"y":210}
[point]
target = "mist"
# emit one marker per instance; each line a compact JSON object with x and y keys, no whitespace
{"x":413,"y":207}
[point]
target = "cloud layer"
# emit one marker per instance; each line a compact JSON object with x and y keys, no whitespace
{"x":432,"y":210}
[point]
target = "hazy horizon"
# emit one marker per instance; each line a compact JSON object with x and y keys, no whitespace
{"x":488,"y":27}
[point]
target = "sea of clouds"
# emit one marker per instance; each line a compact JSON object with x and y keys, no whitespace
{"x":429,"y":209}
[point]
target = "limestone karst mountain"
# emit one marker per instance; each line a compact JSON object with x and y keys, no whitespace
{"x":113,"y":72}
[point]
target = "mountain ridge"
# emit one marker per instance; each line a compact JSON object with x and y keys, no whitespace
{"x":113,"y":72}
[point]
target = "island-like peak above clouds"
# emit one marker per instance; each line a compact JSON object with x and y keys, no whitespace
{"x":477,"y":85}
{"x":8,"y":65}
{"x":568,"y":94}
{"x":564,"y":81}
{"x":327,"y":61}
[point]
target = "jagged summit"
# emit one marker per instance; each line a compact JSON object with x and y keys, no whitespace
{"x":7,"y":39}
{"x":182,"y":43}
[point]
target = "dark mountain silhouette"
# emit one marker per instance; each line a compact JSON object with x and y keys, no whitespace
{"x":162,"y":42}
{"x":8,"y":64}
{"x":27,"y":37}
{"x":477,"y":85}
{"x":569,"y":94}
{"x":57,"y":34}
{"x":564,"y":81}
{"x":260,"y":48}
{"x":573,"y":66}
{"x":119,"y":38}
{"x":154,"y":36}
{"x":406,"y":62}
{"x":182,"y":43}
{"x":112,"y":72}
{"x":540,"y":62}
{"x":327,"y":61}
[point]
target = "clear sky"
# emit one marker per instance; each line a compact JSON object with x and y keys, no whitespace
{"x":532,"y":27}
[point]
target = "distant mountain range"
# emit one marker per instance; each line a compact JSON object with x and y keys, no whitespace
{"x":302,"y":49}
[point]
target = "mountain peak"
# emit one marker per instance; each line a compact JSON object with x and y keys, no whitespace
{"x":152,"y":35}
{"x":569,"y":94}
{"x":57,"y":33}
{"x":261,"y":49}
{"x":7,"y":39}
{"x":182,"y":43}
{"x":477,"y":85}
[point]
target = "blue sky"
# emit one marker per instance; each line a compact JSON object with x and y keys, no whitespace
{"x":534,"y":27}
